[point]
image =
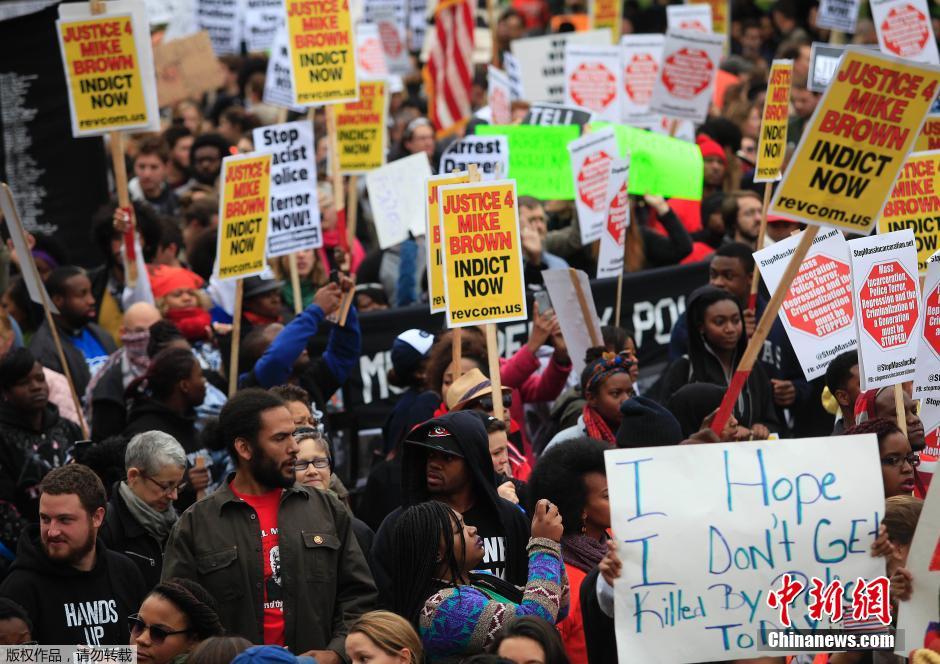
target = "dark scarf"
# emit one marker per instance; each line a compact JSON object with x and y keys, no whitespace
{"x":582,"y":552}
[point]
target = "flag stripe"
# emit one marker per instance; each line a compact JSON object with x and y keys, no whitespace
{"x":449,"y":69}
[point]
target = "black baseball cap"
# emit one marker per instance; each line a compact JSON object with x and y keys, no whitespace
{"x":439,"y":439}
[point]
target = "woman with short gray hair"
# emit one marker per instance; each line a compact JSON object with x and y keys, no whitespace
{"x":140,"y":513}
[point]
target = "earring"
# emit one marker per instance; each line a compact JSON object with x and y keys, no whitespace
{"x":583,"y":527}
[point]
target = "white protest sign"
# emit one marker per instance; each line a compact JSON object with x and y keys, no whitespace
{"x":918,"y":617}
{"x":499,"y":96}
{"x":541,"y":62}
{"x":397,"y":195}
{"x":591,"y":156}
{"x":593,"y":79}
{"x":393,"y":39}
{"x":417,"y":23}
{"x":904,"y":29}
{"x":683,"y":88}
{"x":641,"y":56}
{"x":927,"y":371}
{"x":34,"y":284}
{"x":574,"y":328}
{"x":613,"y":235}
{"x":489,"y":153}
{"x":159,"y":12}
{"x":278,"y":84}
{"x":295,"y":212}
{"x":887,"y":299}
{"x":514,"y":73}
{"x":706,"y":532}
{"x":838,"y":15}
{"x":818,"y":312}
{"x":263,"y":19}
{"x":220,"y":18}
{"x":370,"y":54}
{"x":697,"y":18}
{"x":550,"y":114}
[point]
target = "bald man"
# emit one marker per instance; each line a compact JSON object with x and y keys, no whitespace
{"x":104,"y":397}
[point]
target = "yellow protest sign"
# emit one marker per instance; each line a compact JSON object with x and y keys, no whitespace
{"x":772,"y":143}
{"x":607,"y":14}
{"x":102,"y":69}
{"x":360,"y":129}
{"x":243,"y":215}
{"x":929,"y":136}
{"x":856,"y":141}
{"x":322,"y":51}
{"x":915,"y":203}
{"x":482,"y":253}
{"x":432,"y":216}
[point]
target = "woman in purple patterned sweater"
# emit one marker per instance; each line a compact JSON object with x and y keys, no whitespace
{"x":459,"y":612}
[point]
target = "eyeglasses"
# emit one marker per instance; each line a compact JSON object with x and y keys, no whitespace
{"x":167,"y":490}
{"x":895,"y":460}
{"x":319,"y":462}
{"x":305,"y":430}
{"x":486,"y":403}
{"x":158,"y":633}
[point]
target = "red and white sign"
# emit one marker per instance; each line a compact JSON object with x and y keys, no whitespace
{"x":593,"y":79}
{"x":641,"y":56}
{"x":370,"y":56}
{"x":887,"y":299}
{"x":904,"y":29}
{"x":818,"y":313}
{"x":591,"y":158}
{"x":499,"y":96}
{"x":927,"y":374}
{"x":684,"y":85}
{"x":392,"y":37}
{"x":610,"y":258}
{"x":697,"y":18}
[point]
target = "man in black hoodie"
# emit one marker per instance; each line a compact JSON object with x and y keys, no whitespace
{"x":73,"y":588}
{"x":448,"y":459}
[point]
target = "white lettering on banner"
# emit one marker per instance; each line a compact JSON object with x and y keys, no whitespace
{"x":707,"y":531}
{"x":648,"y":317}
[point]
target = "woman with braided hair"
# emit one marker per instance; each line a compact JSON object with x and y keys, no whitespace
{"x":174,"y":618}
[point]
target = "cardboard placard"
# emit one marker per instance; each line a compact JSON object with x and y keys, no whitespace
{"x":591,"y":157}
{"x":839,"y":15}
{"x":498,"y":96}
{"x":489,"y":153}
{"x":700,"y":560}
{"x":607,"y":14}
{"x":927,"y":368}
{"x":278,"y":85}
{"x":683,"y":88}
{"x":222,"y":20}
{"x":772,"y":142}
{"x":819,"y":312}
{"x":541,"y":62}
{"x":538,"y":158}
{"x":244,"y":216}
{"x":575,"y":330}
{"x":693,"y":17}
{"x":855,"y":143}
{"x":905,"y":30}
{"x":322,"y":51}
{"x":397,"y":195}
{"x":437,"y":299}
{"x":263,"y":19}
{"x":593,"y":79}
{"x":295,"y":211}
{"x":887,"y":302}
{"x":610,"y":258}
{"x":186,"y":68}
{"x":108,"y":65}
{"x":915,"y":203}
{"x":929,"y":136}
{"x":641,"y":56}
{"x":547,"y":114}
{"x":361,"y":129}
{"x":482,"y":253}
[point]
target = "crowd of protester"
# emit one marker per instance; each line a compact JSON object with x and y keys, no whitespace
{"x":152,"y":507}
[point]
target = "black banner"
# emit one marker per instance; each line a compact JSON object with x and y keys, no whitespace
{"x":652,"y":301}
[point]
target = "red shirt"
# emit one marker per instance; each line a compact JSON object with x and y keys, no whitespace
{"x":266,"y":507}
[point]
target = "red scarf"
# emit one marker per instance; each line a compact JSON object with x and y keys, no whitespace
{"x":597,"y":427}
{"x":193,"y":322}
{"x":258,"y":319}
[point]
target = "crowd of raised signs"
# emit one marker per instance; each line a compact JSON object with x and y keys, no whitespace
{"x":155,"y":509}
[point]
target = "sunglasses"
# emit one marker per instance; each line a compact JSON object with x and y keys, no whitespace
{"x":486,"y":403}
{"x":158,"y":633}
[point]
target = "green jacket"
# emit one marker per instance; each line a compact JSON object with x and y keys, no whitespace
{"x":326,"y":581}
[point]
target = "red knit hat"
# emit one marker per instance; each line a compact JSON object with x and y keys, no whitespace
{"x":164,"y":279}
{"x":710,"y":148}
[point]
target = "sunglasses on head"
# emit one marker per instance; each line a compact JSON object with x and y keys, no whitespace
{"x":158,"y":633}
{"x":486,"y":403}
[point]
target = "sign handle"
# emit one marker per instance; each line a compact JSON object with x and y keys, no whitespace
{"x":295,"y":283}
{"x":899,"y":408}
{"x":456,"y":349}
{"x":347,"y":302}
{"x":755,"y":280}
{"x":491,"y":19}
{"x":200,"y":464}
{"x":492,"y":354}
{"x":756,"y":344}
{"x":336,"y":175}
{"x":352,"y":211}
{"x":585,"y":312}
{"x":236,"y":338}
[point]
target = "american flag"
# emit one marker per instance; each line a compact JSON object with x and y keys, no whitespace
{"x":448,"y":74}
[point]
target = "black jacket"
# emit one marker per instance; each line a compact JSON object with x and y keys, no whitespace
{"x":599,"y":633}
{"x":44,"y":349}
{"x":67,"y":606}
{"x":108,"y":406}
{"x":151,"y":415}
{"x":471,"y":435}
{"x":26,"y":455}
{"x":124,"y":534}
